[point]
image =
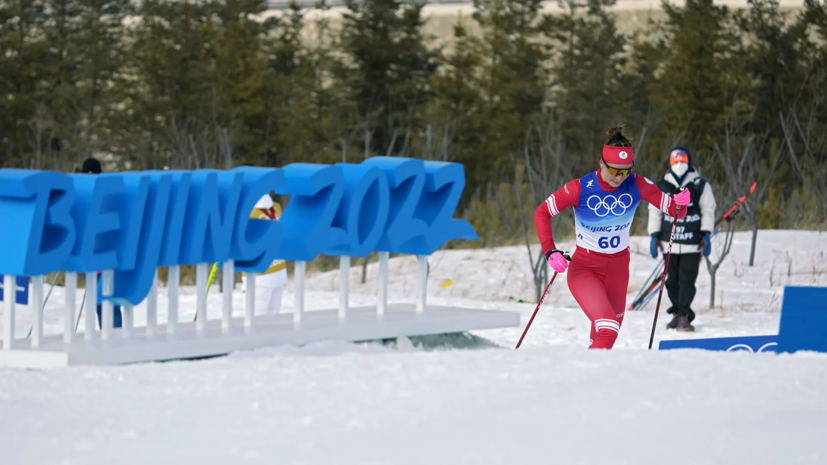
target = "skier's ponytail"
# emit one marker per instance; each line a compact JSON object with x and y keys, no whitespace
{"x":615,"y":138}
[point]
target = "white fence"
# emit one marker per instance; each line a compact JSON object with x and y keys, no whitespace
{"x":204,"y":338}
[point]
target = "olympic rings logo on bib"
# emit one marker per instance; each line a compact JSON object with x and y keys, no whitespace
{"x":609,"y":204}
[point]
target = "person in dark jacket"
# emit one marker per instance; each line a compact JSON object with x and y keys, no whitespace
{"x":93,"y":166}
{"x":692,"y":235}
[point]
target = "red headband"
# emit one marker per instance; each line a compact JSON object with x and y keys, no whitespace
{"x":618,"y":155}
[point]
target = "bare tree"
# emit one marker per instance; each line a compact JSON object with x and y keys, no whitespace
{"x":226,"y":147}
{"x":197,"y":145}
{"x":807,"y":145}
{"x":546,"y":171}
{"x":725,"y":248}
{"x":439,"y":134}
{"x":741,"y":156}
{"x":41,"y":138}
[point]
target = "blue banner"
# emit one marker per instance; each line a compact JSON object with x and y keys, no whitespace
{"x":753,"y":344}
{"x":22,"y":294}
{"x":803,"y":317}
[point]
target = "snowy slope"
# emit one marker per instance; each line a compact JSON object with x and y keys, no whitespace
{"x":485,"y":278}
{"x":550,"y":402}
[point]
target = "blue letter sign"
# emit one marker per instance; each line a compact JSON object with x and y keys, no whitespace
{"x":133,"y":222}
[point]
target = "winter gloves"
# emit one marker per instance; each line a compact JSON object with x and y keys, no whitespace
{"x":654,"y":245}
{"x":706,"y":243}
{"x":682,"y":198}
{"x":557,"y":261}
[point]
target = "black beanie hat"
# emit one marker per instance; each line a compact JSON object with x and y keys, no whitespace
{"x":91,"y":165}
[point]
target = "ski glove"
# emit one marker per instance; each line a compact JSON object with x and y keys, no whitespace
{"x":654,"y":246}
{"x":557,"y":261}
{"x":682,"y":198}
{"x":706,"y":243}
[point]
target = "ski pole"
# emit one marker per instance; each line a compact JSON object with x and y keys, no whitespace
{"x":646,"y":288}
{"x":212,"y":276}
{"x":535,"y":311}
{"x":538,"y":306}
{"x":82,"y":303}
{"x":650,"y":292}
{"x":643,"y":300}
{"x":663,"y":277}
{"x":649,"y":297}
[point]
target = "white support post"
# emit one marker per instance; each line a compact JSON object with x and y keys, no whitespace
{"x":173,"y":281}
{"x":36,"y":304}
{"x":228,"y":276}
{"x":344,"y":286}
{"x":128,"y":320}
{"x":71,"y":305}
{"x":107,"y":307}
{"x":250,"y":303}
{"x":91,"y":305}
{"x":9,"y":294}
{"x":300,"y":269}
{"x":201,"y":297}
{"x":152,"y":307}
{"x":421,"y":284}
{"x":383,"y":283}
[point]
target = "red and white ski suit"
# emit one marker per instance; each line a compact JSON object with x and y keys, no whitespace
{"x":598,"y":276}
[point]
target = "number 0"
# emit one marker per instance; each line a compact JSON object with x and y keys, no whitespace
{"x":605,"y":243}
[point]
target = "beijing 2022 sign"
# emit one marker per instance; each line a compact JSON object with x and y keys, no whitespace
{"x":133,"y":222}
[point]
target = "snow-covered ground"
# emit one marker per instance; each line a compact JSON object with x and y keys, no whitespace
{"x":552,"y":401}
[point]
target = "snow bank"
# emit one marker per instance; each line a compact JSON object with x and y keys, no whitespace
{"x":552,"y":401}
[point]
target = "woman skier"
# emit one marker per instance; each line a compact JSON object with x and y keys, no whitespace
{"x":604,"y":204}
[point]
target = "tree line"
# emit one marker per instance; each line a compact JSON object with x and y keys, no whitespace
{"x":523,"y":104}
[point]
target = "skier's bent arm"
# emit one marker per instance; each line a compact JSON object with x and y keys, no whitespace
{"x":664,"y":202}
{"x":565,"y":197}
{"x":655,"y":219}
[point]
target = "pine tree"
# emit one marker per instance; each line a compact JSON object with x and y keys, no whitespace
{"x":241,"y":78}
{"x":455,"y":115}
{"x":60,"y":80}
{"x":173,"y":104}
{"x":588,"y":70}
{"x":514,"y":83}
{"x":702,"y":79}
{"x":639,"y":87}
{"x":23,"y":51}
{"x":390,"y":63}
{"x":99,"y":48}
{"x":292,"y":123}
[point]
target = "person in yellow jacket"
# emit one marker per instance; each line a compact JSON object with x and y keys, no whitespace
{"x":270,"y":284}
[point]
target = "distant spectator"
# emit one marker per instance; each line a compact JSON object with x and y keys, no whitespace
{"x":93,"y":166}
{"x":270,"y":284}
{"x":693,"y":235}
